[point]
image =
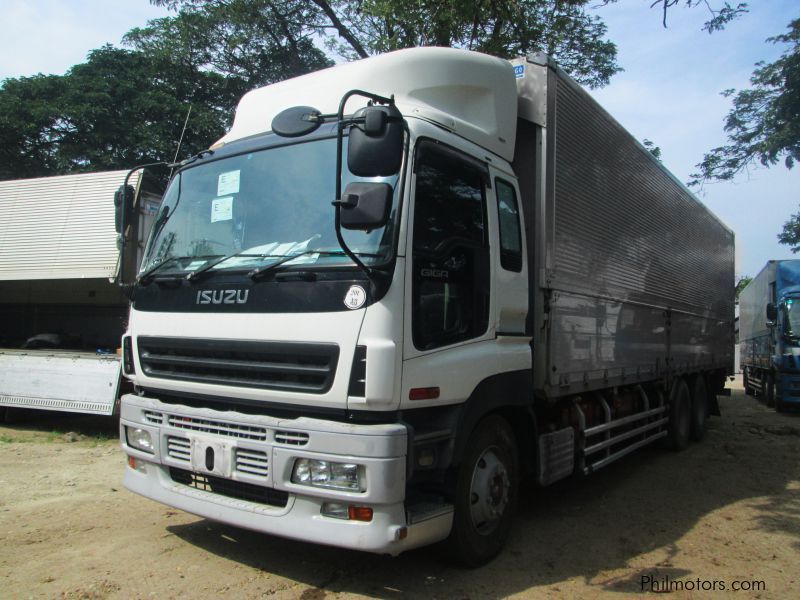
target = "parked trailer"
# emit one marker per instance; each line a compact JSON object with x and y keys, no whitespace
{"x":769,"y":334}
{"x":508,"y":285}
{"x":61,"y":314}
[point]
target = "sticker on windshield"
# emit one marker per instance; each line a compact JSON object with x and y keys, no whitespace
{"x":222,"y":209}
{"x":228,"y":183}
{"x":355,"y":297}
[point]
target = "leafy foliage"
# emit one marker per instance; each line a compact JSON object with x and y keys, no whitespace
{"x":117,"y":109}
{"x":764,"y":123}
{"x":126,"y":107}
{"x":239,"y":29}
{"x":251,"y":42}
{"x":721,"y":13}
{"x":791,"y":233}
{"x":652,"y":148}
{"x":741,"y":284}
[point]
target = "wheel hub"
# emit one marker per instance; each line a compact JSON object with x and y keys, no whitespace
{"x":489,"y":491}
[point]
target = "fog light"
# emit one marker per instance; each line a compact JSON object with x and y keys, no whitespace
{"x":335,"y":510}
{"x":328,"y":474}
{"x":137,"y":464}
{"x":140,"y":439}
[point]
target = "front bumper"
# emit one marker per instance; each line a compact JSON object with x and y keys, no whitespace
{"x":256,"y":454}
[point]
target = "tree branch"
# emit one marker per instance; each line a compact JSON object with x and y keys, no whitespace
{"x":341,"y":28}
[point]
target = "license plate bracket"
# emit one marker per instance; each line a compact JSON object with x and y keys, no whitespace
{"x":211,"y":456}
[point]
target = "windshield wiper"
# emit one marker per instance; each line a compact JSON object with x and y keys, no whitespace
{"x":148,"y":276}
{"x":207,"y":267}
{"x":256,"y":273}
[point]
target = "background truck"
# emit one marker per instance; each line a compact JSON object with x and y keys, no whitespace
{"x":506,"y":285}
{"x":769,"y":334}
{"x":61,"y":314}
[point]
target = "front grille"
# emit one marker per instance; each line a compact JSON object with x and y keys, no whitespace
{"x":235,"y":430}
{"x":154,"y":418}
{"x":230,"y":488}
{"x":287,"y":366}
{"x":291,"y":438}
{"x":252,"y":462}
{"x":179,"y":448}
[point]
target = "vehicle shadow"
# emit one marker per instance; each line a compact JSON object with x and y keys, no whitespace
{"x":31,"y":421}
{"x":639,"y":507}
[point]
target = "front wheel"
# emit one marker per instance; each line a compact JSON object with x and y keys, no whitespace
{"x":486,"y":494}
{"x":769,"y":390}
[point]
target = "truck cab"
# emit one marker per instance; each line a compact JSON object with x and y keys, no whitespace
{"x":278,"y":373}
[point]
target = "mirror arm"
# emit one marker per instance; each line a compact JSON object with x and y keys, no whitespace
{"x":340,"y":125}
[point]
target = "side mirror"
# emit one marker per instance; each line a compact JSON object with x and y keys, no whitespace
{"x":375,"y":147}
{"x":123,"y":206}
{"x":365,"y":205}
{"x":772,"y":312}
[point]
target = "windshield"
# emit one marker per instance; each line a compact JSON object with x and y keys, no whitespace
{"x":791,"y":320}
{"x":260,"y":206}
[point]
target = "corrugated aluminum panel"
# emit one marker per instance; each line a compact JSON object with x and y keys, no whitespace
{"x":753,"y":304}
{"x":59,"y":227}
{"x":624,"y":228}
{"x":634,"y":276}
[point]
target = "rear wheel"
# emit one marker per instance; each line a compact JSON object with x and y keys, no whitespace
{"x":699,"y":411}
{"x":746,"y":382}
{"x":679,"y":416}
{"x":486,"y":494}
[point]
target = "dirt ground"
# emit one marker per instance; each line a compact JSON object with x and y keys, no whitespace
{"x":724,"y":513}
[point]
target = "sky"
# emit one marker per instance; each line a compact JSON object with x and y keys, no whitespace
{"x":669,"y":92}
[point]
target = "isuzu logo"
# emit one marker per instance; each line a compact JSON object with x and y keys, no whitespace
{"x":222,"y":296}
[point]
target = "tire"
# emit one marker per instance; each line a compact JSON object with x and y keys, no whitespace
{"x":680,"y":416}
{"x":746,"y":381}
{"x":485,"y":500}
{"x":779,"y":405}
{"x":699,"y":409}
{"x":769,"y":390}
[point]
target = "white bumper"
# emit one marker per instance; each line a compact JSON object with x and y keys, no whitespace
{"x":256,"y":454}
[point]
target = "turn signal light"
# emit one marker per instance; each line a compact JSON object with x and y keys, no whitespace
{"x":360,"y":513}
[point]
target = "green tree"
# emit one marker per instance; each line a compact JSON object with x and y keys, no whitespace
{"x":250,"y":42}
{"x":791,"y":233}
{"x":741,"y":284}
{"x":117,"y":109}
{"x":764,"y":124}
{"x":721,"y":13}
{"x":227,"y":33}
{"x":652,"y":148}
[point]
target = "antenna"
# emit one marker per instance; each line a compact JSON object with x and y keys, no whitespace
{"x":180,"y":141}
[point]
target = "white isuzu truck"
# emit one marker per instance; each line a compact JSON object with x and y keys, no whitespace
{"x":398,"y":286}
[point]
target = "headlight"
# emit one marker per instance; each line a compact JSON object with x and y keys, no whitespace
{"x":139,"y":439}
{"x":328,"y":474}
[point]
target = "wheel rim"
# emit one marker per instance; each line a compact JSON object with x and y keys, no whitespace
{"x":489,"y":491}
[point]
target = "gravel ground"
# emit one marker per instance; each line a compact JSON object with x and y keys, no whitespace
{"x":723,"y":513}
